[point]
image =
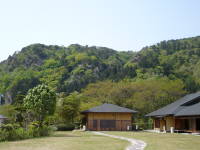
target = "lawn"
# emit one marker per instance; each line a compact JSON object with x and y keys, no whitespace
{"x":67,"y":141}
{"x":87,"y":141}
{"x":159,"y":141}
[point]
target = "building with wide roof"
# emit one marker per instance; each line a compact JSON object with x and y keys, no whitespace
{"x":183,"y":115}
{"x":109,"y":117}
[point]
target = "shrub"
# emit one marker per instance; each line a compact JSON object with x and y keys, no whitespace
{"x":45,"y":130}
{"x":9,"y":127}
{"x":3,"y":135}
{"x":21,"y":134}
{"x":36,"y":131}
{"x":65,"y":127}
{"x":33,"y":129}
{"x":12,"y":132}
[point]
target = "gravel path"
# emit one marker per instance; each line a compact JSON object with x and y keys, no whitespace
{"x":135,"y":144}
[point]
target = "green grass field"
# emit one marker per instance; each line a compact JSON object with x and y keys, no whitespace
{"x":159,"y":141}
{"x":88,"y":141}
{"x":67,"y":141}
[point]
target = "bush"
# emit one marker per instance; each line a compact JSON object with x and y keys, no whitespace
{"x":21,"y":134}
{"x":9,"y":127}
{"x":3,"y":135}
{"x":65,"y":127}
{"x":45,"y":131}
{"x":12,"y":132}
{"x":37,"y":131}
{"x":143,"y":124}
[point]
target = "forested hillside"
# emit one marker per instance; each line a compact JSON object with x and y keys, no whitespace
{"x":174,"y":59}
{"x":65,"y":69}
{"x":144,"y":80}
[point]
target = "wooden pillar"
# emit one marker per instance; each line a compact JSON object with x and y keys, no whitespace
{"x":175,"y":124}
{"x":121,"y":124}
{"x":91,"y":125}
{"x":193,"y":125}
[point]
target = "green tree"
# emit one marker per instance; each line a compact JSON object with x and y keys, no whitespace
{"x":9,"y":111}
{"x":142,"y":95}
{"x":70,"y":108}
{"x":40,"y":102}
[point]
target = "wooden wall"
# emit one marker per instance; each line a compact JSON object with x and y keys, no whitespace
{"x":156,"y":123}
{"x":187,"y":124}
{"x":165,"y":123}
{"x":170,"y":122}
{"x":109,"y":116}
{"x":122,"y":120}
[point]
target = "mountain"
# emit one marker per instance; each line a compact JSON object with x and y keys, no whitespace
{"x":174,"y":59}
{"x":66,"y":69}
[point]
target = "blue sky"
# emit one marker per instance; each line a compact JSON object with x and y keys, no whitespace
{"x":118,"y":24}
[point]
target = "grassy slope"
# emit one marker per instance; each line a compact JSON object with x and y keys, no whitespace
{"x":168,"y":141}
{"x":67,"y":141}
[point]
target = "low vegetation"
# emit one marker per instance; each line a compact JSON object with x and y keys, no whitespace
{"x":13,"y":132}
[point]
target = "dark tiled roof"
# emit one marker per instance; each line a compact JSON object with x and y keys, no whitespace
{"x":109,"y":108}
{"x":192,"y":110}
{"x":179,"y":106}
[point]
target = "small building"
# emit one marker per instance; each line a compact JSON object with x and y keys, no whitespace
{"x":2,"y":119}
{"x":182,"y":115}
{"x":109,"y":117}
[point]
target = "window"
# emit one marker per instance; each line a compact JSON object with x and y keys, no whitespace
{"x":94,"y":123}
{"x":107,"y":123}
{"x":186,"y":124}
{"x":157,"y":123}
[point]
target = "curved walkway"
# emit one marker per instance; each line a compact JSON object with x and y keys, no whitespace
{"x":135,"y":144}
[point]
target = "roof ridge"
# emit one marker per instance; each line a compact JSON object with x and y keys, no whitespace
{"x":109,"y":108}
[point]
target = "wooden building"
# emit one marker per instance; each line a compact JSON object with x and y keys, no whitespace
{"x":182,"y":115}
{"x":109,"y":117}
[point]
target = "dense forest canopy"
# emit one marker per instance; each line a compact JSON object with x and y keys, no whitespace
{"x":64,"y":69}
{"x":144,"y":80}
